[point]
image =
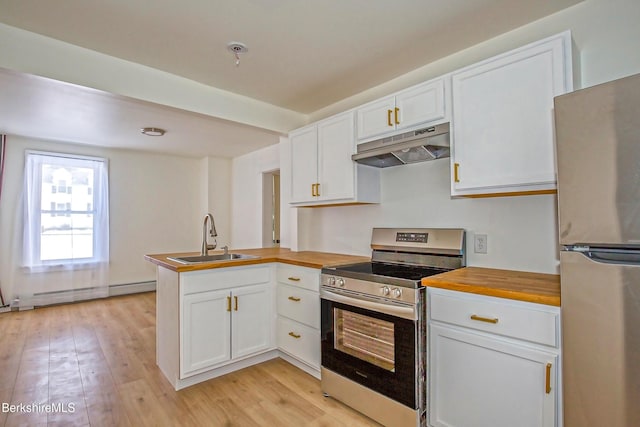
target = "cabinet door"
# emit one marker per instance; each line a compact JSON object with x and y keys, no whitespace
{"x":336,"y":170}
{"x":304,"y":164}
{"x":502,"y":139}
{"x":251,"y":322}
{"x":421,"y":104}
{"x":205,"y":331}
{"x":479,"y":381}
{"x":374,"y":118}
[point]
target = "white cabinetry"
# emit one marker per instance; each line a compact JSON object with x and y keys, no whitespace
{"x":502,"y":134}
{"x":492,"y":362}
{"x":322,"y":171}
{"x":298,"y":326}
{"x":226,"y":314}
{"x":424,"y":103}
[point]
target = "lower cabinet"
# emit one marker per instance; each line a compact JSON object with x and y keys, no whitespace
{"x":298,"y":324}
{"x":493,"y":374}
{"x":224,"y":325}
{"x":211,"y":322}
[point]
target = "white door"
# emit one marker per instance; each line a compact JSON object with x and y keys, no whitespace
{"x":304,"y":164}
{"x":422,"y":104}
{"x":480,"y":381}
{"x":376,"y":118}
{"x":205,"y":331}
{"x":251,"y":321}
{"x":336,"y":170}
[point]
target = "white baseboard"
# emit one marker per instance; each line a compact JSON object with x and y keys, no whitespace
{"x":132,"y":288}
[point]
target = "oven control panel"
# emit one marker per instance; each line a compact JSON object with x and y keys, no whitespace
{"x":412,"y":237}
{"x":373,"y":289}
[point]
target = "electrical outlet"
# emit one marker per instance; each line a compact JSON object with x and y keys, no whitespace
{"x":480,"y":243}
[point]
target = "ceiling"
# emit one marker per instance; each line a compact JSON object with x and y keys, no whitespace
{"x":303,"y":55}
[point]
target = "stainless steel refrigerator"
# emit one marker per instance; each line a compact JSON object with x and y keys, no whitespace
{"x":598,"y":154}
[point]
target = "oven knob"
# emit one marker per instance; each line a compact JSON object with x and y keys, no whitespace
{"x":397,"y":292}
{"x":331,"y":281}
{"x":385,"y":290}
{"x":340,"y":282}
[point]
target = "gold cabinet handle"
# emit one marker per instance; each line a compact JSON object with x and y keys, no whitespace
{"x":294,"y":335}
{"x":294,"y":299}
{"x":235,"y":301}
{"x":313,"y":190}
{"x":294,"y":279}
{"x":389,"y":117}
{"x":456,"y":177}
{"x":228,"y":303}
{"x":483,"y":319}
{"x":547,"y":381}
{"x":397,"y":110}
{"x":318,"y":190}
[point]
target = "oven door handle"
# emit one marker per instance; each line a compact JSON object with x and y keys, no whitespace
{"x":373,"y":304}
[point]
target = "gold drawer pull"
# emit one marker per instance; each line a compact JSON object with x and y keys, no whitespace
{"x":483,"y":319}
{"x":294,"y":279}
{"x":235,"y":299}
{"x":294,"y":299}
{"x":228,"y":303}
{"x":456,"y":169}
{"x":397,"y":110}
{"x":294,"y":335}
{"x":389,"y":117}
{"x":548,"y":379}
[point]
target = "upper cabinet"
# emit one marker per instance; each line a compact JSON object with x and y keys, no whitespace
{"x":424,"y":103}
{"x":502,"y":124}
{"x":322,"y":171}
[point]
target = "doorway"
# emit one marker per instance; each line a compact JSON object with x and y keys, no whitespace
{"x":271,"y":209}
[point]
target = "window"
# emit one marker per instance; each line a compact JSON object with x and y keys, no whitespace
{"x":66,"y":209}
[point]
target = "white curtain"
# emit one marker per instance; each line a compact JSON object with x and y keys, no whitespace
{"x":64,"y":235}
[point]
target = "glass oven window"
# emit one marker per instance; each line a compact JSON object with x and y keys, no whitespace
{"x":365,"y":337}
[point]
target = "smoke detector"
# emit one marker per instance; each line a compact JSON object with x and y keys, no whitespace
{"x":237,"y":49}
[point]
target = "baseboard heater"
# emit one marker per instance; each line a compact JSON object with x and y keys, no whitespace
{"x":57,"y":297}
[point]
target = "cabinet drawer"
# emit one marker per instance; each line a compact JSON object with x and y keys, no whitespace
{"x":299,"y":304}
{"x":307,"y":278}
{"x":300,"y":341}
{"x":223,"y":278}
{"x":526,"y":321}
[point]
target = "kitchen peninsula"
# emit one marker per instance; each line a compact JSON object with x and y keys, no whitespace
{"x":217,"y":317}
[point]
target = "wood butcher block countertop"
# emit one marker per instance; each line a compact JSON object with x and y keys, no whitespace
{"x":517,"y":285}
{"x":303,"y":259}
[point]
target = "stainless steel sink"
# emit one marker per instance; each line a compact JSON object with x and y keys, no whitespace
{"x":198,"y":259}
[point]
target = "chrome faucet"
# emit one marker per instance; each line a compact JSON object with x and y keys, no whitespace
{"x":212,"y":232}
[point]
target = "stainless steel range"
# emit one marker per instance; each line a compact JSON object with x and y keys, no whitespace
{"x":374,"y":323}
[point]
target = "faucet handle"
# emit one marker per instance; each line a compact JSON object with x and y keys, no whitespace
{"x":226,"y":249}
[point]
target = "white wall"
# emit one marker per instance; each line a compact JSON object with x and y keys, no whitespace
{"x":217,"y":179}
{"x":522,"y":231}
{"x":156,"y":206}
{"x":246,"y":204}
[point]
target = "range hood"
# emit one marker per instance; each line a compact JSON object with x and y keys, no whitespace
{"x":411,"y":147}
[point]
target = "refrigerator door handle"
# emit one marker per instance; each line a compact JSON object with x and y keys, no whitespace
{"x":608,"y":255}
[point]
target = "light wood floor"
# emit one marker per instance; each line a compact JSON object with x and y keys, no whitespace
{"x":100,"y":357}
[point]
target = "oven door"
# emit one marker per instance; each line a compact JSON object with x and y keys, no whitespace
{"x":372,"y":342}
